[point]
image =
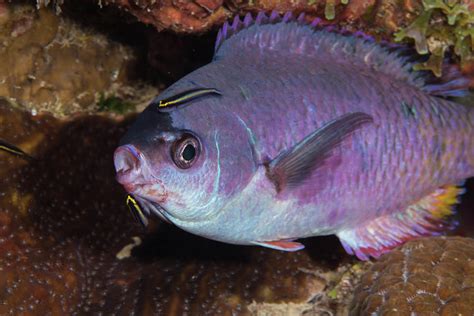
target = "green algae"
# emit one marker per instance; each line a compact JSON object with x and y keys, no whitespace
{"x":417,"y":31}
{"x":435,"y":61}
{"x":333,"y":294}
{"x":440,"y":27}
{"x":330,"y":8}
{"x":114,"y":104}
{"x":452,"y":9}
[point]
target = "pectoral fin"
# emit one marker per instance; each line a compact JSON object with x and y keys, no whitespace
{"x":284,"y":245}
{"x":292,"y":167}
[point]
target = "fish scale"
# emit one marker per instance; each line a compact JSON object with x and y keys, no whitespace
{"x":275,"y":111}
{"x":308,"y":132}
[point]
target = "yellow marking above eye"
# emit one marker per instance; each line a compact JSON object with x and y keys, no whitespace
{"x":187,"y":96}
{"x":136,"y":211}
{"x":14,"y":150}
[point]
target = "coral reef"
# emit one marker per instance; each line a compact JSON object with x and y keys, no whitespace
{"x":424,"y":277}
{"x":202,"y":15}
{"x":68,"y":244}
{"x":53,"y":64}
{"x":436,"y":26}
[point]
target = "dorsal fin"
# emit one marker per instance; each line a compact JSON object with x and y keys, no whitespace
{"x":227,"y":30}
{"x":292,"y":34}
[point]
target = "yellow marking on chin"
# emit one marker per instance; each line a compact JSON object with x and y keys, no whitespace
{"x":136,"y":210}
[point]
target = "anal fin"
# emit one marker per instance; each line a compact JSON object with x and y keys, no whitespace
{"x":429,"y":216}
{"x":284,"y":245}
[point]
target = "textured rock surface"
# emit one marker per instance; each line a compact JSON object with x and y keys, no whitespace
{"x":201,"y":15}
{"x":176,"y":15}
{"x":63,"y":220}
{"x":435,"y":26}
{"x":432,"y":276}
{"x":51,"y":63}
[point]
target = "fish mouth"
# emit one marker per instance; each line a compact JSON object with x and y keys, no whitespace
{"x":153,"y":208}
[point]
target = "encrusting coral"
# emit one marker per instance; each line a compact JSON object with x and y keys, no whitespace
{"x":430,"y":276}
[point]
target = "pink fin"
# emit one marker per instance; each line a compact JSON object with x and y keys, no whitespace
{"x":429,"y":216}
{"x":284,"y":245}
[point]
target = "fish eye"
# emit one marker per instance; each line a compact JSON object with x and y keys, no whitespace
{"x":185,"y":151}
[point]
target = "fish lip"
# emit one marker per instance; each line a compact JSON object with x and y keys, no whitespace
{"x":124,"y":163}
{"x":127,"y":163}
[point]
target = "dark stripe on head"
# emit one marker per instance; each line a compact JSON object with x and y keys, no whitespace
{"x":148,"y":124}
{"x":186,"y":96}
{"x":9,"y":148}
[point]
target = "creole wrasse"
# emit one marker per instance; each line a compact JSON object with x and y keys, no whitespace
{"x":295,"y":130}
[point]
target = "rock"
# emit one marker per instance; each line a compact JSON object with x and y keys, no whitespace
{"x":52,"y":64}
{"x":435,"y":26}
{"x":176,"y":15}
{"x":201,"y":15}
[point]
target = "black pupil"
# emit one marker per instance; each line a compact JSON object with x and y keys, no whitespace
{"x":189,"y":152}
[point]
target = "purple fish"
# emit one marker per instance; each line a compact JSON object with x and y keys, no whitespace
{"x":296,"y":130}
